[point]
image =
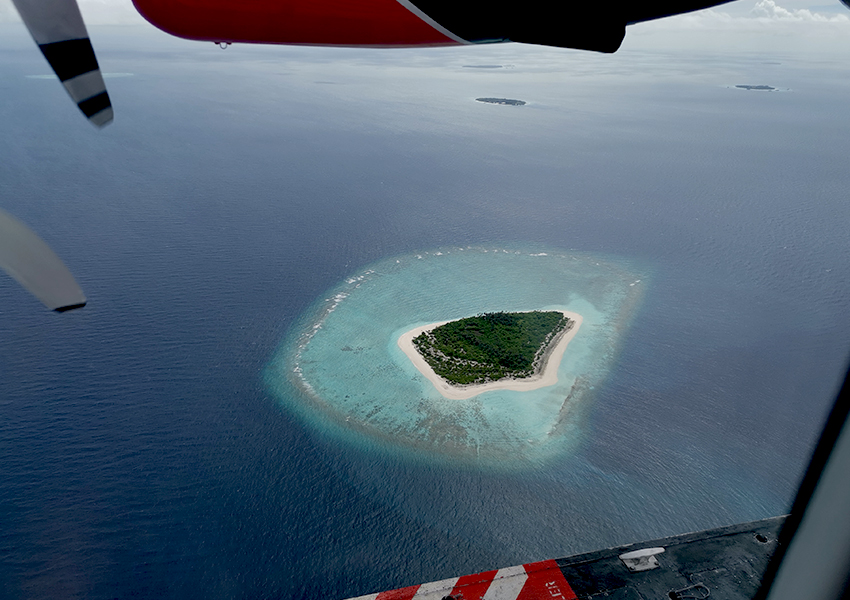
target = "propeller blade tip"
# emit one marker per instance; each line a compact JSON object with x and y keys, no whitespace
{"x":62,"y":309}
{"x":103,"y":118}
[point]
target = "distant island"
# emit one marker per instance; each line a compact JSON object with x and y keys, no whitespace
{"x":506,"y":101}
{"x":761,"y":88}
{"x":501,"y":350}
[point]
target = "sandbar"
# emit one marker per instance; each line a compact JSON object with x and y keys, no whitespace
{"x":547,"y":376}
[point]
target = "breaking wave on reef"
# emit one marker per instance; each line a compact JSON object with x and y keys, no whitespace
{"x":341,"y":370}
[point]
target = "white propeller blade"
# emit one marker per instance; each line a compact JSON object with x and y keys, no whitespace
{"x":30,"y":261}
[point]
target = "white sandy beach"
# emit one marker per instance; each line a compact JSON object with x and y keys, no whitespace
{"x":548,"y":375}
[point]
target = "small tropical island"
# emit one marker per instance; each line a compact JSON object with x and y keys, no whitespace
{"x":491,"y":346}
{"x":502,"y":101}
{"x":758,"y":88}
{"x":500,"y":350}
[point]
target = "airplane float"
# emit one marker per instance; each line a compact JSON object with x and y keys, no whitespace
{"x":802,"y":556}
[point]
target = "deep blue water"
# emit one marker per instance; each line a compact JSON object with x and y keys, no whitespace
{"x":140,"y":452}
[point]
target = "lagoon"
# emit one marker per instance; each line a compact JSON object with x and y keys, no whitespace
{"x":343,"y":370}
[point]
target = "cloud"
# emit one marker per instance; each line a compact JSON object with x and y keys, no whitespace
{"x":764,"y":27}
{"x":764,"y":11}
{"x":768,"y":9}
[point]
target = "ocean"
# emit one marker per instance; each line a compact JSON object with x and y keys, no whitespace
{"x":144,"y":451}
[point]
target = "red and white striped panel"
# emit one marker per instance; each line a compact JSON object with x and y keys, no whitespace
{"x":534,"y":581}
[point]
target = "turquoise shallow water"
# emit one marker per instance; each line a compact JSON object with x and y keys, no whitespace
{"x":342,"y":370}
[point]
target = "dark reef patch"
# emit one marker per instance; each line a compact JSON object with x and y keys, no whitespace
{"x":504,"y":101}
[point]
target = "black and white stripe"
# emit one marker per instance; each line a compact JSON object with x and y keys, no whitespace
{"x":58,"y":29}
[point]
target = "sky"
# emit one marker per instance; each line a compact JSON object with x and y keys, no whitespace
{"x":766,"y":25}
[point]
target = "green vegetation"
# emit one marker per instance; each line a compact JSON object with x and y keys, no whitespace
{"x":491,"y":346}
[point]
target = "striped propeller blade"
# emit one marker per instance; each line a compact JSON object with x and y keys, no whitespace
{"x":58,"y":28}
